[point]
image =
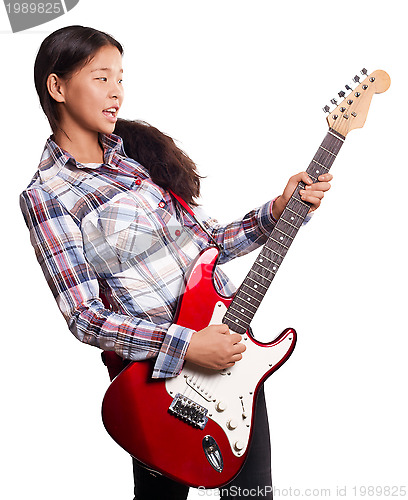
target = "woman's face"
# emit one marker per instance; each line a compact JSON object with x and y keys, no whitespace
{"x":93,"y":95}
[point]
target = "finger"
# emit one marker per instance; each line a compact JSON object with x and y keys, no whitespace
{"x":222,"y":328}
{"x":238,"y":348}
{"x":236,"y":338}
{"x":311,"y":195}
{"x":293,"y":182}
{"x":319,"y":186}
{"x":325,"y":177}
{"x":302,"y":176}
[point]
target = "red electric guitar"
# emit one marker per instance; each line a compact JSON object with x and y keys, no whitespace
{"x":196,"y":428}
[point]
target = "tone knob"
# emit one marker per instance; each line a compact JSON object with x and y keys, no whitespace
{"x":232,"y":424}
{"x":220,"y":406}
{"x":238,"y":445}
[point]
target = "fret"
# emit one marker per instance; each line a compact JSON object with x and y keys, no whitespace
{"x":234,"y":323}
{"x":261,"y":260}
{"x":284,"y":233}
{"x":336,"y":136}
{"x":235,"y":327}
{"x":279,"y":243}
{"x":248,"y":296}
{"x":267,"y":252}
{"x":264,"y":267}
{"x":327,"y":151}
{"x":244,"y":305}
{"x":234,"y":313}
{"x":324,"y":158}
{"x":241,"y":312}
{"x":290,"y":209}
{"x":301,"y":201}
{"x":287,"y":222}
{"x":321,"y":169}
{"x":277,"y":253}
{"x":255,"y":285}
{"x":257,"y":282}
{"x":249,"y":299}
{"x":320,"y":165}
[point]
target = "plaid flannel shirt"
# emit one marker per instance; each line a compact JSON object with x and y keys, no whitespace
{"x":108,"y":228}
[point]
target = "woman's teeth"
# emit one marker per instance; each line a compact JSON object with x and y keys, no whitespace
{"x":110,"y":111}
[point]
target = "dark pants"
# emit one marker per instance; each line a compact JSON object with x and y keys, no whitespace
{"x":253,"y":481}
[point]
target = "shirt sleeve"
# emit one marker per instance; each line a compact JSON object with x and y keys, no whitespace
{"x":242,"y":235}
{"x":58,"y":244}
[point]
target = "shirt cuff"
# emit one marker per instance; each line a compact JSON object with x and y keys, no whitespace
{"x":272,"y":218}
{"x":307,"y":218}
{"x":266,"y":220}
{"x":170,"y":359}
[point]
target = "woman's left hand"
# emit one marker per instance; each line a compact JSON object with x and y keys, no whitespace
{"x":313,"y":193}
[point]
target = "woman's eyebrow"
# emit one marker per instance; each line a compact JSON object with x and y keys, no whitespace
{"x":105,"y":69}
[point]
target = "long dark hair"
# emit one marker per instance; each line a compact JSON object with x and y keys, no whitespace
{"x":64,"y":52}
{"x":69,"y":49}
{"x":168,"y":165}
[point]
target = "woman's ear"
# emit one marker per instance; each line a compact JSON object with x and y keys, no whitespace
{"x":55,"y":87}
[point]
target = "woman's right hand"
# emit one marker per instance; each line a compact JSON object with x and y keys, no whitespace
{"x":215,"y":347}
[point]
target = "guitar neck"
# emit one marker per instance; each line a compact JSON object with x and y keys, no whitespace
{"x":256,"y":283}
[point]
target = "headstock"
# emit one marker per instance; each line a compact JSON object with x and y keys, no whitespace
{"x":352,"y":111}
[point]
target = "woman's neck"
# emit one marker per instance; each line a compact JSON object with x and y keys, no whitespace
{"x":85,"y":148}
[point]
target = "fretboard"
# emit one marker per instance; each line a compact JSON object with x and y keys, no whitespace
{"x":256,"y":283}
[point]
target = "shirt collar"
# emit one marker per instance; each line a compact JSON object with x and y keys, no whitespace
{"x":55,"y":158}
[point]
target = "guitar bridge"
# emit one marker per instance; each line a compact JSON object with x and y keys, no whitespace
{"x":189,"y":411}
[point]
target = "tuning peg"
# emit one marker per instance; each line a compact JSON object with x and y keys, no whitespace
{"x":333,"y":101}
{"x":326,"y":109}
{"x":347,"y":87}
{"x":342,"y":94}
{"x":363,"y":72}
{"x":356,"y":79}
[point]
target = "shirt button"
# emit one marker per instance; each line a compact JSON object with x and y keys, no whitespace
{"x":177,"y":232}
{"x":162,"y":204}
{"x":138,"y":182}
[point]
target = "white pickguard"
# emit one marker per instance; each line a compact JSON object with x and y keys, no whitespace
{"x":228,"y":394}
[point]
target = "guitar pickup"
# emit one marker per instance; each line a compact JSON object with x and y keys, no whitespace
{"x":189,"y":411}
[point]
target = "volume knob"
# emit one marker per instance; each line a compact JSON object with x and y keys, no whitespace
{"x":238,"y":445}
{"x":220,"y":406}
{"x":232,"y":424}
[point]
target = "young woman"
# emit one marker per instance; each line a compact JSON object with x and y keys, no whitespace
{"x":104,"y":224}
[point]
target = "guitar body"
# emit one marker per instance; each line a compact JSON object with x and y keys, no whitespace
{"x":194,"y":428}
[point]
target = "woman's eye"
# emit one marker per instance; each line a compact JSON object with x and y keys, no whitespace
{"x":102,"y":78}
{"x":120,"y":81}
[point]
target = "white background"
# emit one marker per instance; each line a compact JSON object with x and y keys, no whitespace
{"x":241,"y":86}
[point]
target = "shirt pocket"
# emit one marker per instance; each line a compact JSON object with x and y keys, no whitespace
{"x":127,"y":230}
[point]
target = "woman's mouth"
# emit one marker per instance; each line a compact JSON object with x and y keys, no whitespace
{"x":111,"y":113}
